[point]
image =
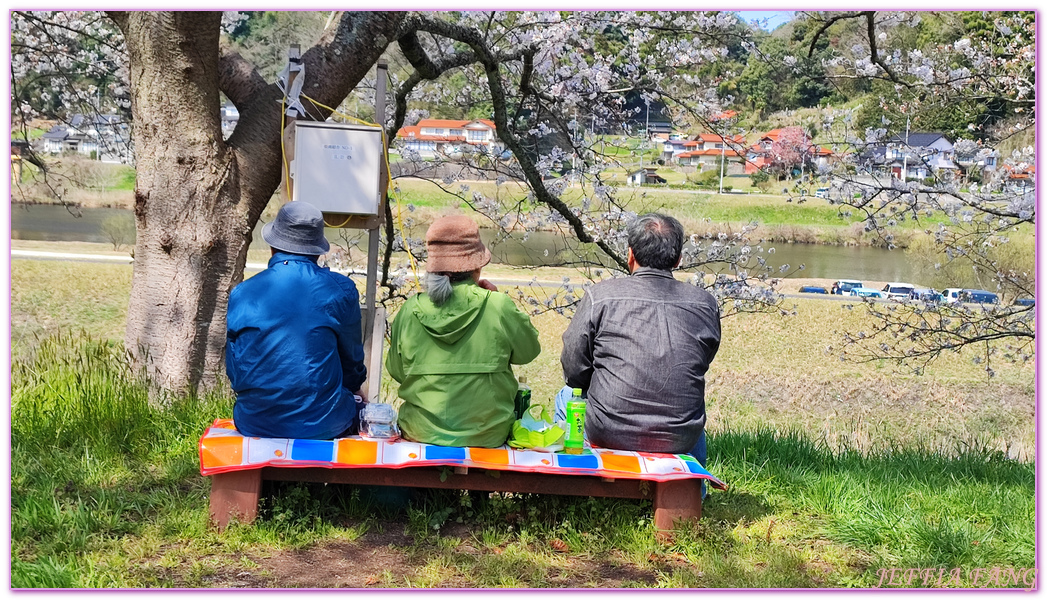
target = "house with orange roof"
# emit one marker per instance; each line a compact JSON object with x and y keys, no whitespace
{"x":725,"y":115}
{"x":432,"y":137}
{"x":1018,"y":180}
{"x":706,"y":150}
{"x":687,"y":151}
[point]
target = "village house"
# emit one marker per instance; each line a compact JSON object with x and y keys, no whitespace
{"x":432,"y":137}
{"x":915,"y":156}
{"x":707,"y":149}
{"x":1017,"y":180}
{"x":99,"y":136}
{"x":644,"y":176}
{"x":230,"y":117}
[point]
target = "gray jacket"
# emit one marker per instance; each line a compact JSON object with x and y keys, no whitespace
{"x":641,"y":346}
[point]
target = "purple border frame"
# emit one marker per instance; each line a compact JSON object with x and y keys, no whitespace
{"x":6,"y":245}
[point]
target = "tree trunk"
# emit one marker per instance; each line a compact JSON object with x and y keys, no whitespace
{"x":192,"y":235}
{"x":197,"y":197}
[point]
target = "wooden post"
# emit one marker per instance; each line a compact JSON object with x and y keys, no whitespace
{"x":676,"y":500}
{"x":374,"y":233}
{"x":236,"y":493}
{"x":294,"y":57}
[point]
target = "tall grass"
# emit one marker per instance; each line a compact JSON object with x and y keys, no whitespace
{"x":910,"y":506}
{"x":92,"y":457}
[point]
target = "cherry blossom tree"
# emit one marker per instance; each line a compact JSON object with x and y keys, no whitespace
{"x":791,"y":150}
{"x":544,"y":74}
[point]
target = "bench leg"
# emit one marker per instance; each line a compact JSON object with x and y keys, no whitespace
{"x":676,"y":500}
{"x":235,"y":493}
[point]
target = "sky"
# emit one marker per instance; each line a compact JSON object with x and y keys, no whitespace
{"x":774,"y":17}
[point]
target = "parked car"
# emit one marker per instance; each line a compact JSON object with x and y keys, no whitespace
{"x":864,"y":292}
{"x":926,"y":296}
{"x":901,"y":291}
{"x":813,"y":289}
{"x":821,"y":193}
{"x":979,"y":297}
{"x":952,"y":294}
{"x":844,"y":286}
{"x":1025,"y":302}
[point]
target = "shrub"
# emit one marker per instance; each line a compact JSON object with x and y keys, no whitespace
{"x":119,"y":230}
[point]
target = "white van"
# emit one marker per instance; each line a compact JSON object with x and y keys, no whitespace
{"x":901,"y":291}
{"x":952,"y":294}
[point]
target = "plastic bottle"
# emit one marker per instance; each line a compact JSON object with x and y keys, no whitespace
{"x":574,"y":441}
{"x":523,"y":398}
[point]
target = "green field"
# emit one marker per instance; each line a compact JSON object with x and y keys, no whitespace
{"x":836,"y":471}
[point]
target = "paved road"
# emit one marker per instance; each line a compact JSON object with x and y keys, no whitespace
{"x":251,"y":266}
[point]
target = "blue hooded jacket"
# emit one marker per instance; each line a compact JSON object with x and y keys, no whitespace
{"x":293,"y":352}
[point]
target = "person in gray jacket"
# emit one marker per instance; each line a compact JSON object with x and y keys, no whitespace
{"x":639,"y":348}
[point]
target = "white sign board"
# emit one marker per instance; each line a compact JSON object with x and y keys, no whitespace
{"x":337,"y":167}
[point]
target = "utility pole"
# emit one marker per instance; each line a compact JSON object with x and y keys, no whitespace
{"x":905,"y":152}
{"x":294,"y":61}
{"x":723,"y":150}
{"x":646,"y":137}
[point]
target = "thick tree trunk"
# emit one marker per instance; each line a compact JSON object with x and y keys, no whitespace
{"x":197,"y":198}
{"x":192,"y":236}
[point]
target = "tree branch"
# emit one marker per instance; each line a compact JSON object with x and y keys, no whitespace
{"x":474,"y":40}
{"x":239,"y":79}
{"x":829,"y":23}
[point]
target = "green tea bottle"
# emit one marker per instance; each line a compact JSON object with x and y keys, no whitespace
{"x":574,"y":441}
{"x":523,"y":398}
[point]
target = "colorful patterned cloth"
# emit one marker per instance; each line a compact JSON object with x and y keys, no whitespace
{"x":224,"y":449}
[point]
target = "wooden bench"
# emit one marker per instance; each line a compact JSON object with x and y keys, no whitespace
{"x":237,"y":493}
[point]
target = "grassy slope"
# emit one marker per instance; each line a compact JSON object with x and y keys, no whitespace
{"x":105,"y":490}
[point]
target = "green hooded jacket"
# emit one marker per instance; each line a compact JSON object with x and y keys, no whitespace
{"x":453,"y":364}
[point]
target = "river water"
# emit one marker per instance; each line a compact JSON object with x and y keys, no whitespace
{"x":56,"y":223}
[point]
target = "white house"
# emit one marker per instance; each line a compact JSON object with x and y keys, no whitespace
{"x":919,"y":155}
{"x":100,"y":134}
{"x":446,"y":136}
{"x":646,"y":175}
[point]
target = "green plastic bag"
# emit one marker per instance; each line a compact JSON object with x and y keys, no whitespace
{"x":536,"y":431}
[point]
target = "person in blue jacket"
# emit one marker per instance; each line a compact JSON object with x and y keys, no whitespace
{"x":294,"y":351}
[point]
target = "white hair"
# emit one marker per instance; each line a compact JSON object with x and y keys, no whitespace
{"x":438,"y":286}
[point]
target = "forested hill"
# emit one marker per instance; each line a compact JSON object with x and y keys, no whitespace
{"x":800,"y":64}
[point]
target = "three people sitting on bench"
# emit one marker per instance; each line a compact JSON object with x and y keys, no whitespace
{"x":639,"y":346}
{"x":451,"y":347}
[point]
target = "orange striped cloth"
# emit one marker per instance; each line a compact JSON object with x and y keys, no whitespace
{"x":224,"y":449}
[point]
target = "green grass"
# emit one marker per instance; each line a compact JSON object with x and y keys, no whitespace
{"x":124,"y":178}
{"x":835,"y":471}
{"x":106,"y":493}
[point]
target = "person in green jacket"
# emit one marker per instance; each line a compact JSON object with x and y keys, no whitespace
{"x":451,"y":346}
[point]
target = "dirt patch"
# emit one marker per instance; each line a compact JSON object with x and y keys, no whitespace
{"x":375,"y":560}
{"x":391,"y":559}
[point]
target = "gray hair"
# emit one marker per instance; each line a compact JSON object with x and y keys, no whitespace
{"x":656,"y":241}
{"x":438,"y":285}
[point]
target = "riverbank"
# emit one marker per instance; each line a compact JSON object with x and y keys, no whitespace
{"x":545,"y":276}
{"x":836,"y":471}
{"x":761,"y":353}
{"x":702,"y":213}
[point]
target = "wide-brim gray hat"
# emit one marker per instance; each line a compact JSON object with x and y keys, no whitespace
{"x":298,"y":228}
